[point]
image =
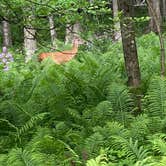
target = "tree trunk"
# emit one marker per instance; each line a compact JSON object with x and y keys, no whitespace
{"x":29,"y":42}
{"x":69,"y":30}
{"x":77,"y":30}
{"x":52,"y":30}
{"x":72,"y":31}
{"x":163,"y":9}
{"x":157,"y":22}
{"x":129,"y":44}
{"x":117,"y":33}
{"x":7,"y":41}
{"x":155,"y":4}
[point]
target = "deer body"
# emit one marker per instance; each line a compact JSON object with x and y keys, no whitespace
{"x":61,"y":57}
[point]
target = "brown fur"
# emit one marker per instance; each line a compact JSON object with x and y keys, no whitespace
{"x":61,"y":57}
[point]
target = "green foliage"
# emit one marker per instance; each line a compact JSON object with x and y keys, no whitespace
{"x":148,"y":51}
{"x":131,"y":149}
{"x":121,"y":101}
{"x":156,"y":97}
{"x":139,"y":128}
{"x":82,"y":112}
{"x":22,"y":157}
{"x":100,"y":160}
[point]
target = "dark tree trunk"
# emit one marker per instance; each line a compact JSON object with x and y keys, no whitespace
{"x":163,"y":9}
{"x":129,"y":44}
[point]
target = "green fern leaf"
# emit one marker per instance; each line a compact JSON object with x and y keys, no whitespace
{"x":30,"y":124}
{"x":156,"y":97}
{"x":131,"y":148}
{"x":122,"y":103}
{"x":19,"y":157}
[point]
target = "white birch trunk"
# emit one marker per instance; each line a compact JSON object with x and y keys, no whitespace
{"x":29,"y":42}
{"x":117,"y":32}
{"x":7,"y":41}
{"x":52,"y":30}
{"x":157,"y":8}
{"x":77,"y":30}
{"x":69,"y":36}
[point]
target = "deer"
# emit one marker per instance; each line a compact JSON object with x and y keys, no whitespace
{"x":64,"y":56}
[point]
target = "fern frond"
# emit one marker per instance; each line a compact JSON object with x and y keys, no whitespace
{"x":98,"y":115}
{"x":94,"y":143}
{"x":103,"y":136}
{"x":115,"y":128}
{"x":73,"y":155}
{"x":131,"y":148}
{"x":139,"y":128}
{"x":146,"y":162}
{"x":74,"y":114}
{"x":43,"y":142}
{"x":6,"y":127}
{"x":161,"y":162}
{"x":100,"y":160}
{"x":30,"y":124}
{"x":122,"y":103}
{"x":156,"y":97}
{"x":3,"y":159}
{"x":19,"y":157}
{"x":159,"y":143}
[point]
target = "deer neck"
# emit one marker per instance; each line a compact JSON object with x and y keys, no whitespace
{"x":75,"y":48}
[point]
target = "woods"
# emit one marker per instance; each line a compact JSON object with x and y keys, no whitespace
{"x":82,"y":83}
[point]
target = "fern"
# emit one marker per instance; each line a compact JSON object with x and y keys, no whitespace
{"x":156,"y":97}
{"x":116,"y":128}
{"x":100,"y":160}
{"x":74,"y":157}
{"x":94,"y":143}
{"x":158,"y":142}
{"x":19,"y":157}
{"x":43,"y":142}
{"x":89,"y":109}
{"x":3,"y":159}
{"x":122,"y":103}
{"x":161,"y":162}
{"x":103,"y":137}
{"x":98,"y":115}
{"x":112,"y":129}
{"x":139,"y":127}
{"x":30,"y":124}
{"x":74,"y":113}
{"x":130,"y":148}
{"x":6,"y":127}
{"x":146,"y":162}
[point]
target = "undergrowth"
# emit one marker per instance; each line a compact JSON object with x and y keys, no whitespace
{"x":82,"y":112}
